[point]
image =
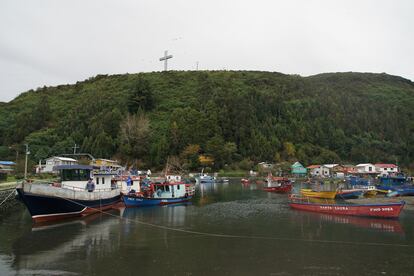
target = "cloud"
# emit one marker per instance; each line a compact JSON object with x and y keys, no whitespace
{"x":50,"y":42}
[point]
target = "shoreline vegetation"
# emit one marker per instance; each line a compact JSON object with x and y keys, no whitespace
{"x":216,"y":118}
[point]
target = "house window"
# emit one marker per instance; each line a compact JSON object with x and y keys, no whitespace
{"x":391,"y":169}
{"x":97,"y":181}
{"x":103,"y":180}
{"x":370,"y":169}
{"x":385,"y":169}
{"x":178,"y":187}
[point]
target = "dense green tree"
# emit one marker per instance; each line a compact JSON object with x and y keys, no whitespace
{"x":135,"y":135}
{"x":233,"y":115}
{"x":140,"y":96}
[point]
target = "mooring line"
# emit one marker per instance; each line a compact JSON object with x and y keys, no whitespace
{"x":12,"y":192}
{"x":242,"y":236}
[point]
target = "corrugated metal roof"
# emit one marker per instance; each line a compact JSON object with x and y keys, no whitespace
{"x":386,"y":165}
{"x":63,"y":158}
{"x":73,"y":167}
{"x":7,"y":163}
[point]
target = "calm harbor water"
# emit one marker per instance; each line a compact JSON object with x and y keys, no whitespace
{"x":228,"y":229}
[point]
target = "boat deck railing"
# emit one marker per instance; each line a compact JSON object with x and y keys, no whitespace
{"x":66,"y":186}
{"x":74,"y":188}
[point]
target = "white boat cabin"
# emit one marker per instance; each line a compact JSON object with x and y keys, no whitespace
{"x":173,"y":178}
{"x":169,"y":190}
{"x":128,"y":183}
{"x":76,"y":176}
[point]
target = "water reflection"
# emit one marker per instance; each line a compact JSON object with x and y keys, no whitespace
{"x":383,"y":225}
{"x":51,"y":245}
{"x":252,"y":185}
{"x":207,"y":188}
{"x":171,"y":215}
{"x":376,"y":224}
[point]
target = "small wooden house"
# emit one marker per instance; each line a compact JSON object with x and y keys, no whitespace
{"x":298,"y":170}
{"x":314,"y":170}
{"x":6,"y":167}
{"x":386,"y":169}
{"x":52,"y":162}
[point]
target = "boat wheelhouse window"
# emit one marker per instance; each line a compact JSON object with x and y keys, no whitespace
{"x":75,"y":175}
{"x":164,"y":188}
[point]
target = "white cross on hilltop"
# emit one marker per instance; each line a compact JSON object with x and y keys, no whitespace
{"x":165,"y":58}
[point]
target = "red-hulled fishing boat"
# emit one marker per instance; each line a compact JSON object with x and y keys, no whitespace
{"x":277,"y":184}
{"x":384,"y":210}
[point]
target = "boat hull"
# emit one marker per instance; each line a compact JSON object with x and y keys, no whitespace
{"x":389,"y":210}
{"x":322,"y":194}
{"x":279,"y":189}
{"x":349,"y":194}
{"x":136,"y":201}
{"x":44,"y":208}
{"x":401,"y":192}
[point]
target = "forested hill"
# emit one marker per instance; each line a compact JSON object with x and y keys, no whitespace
{"x":235,"y":116}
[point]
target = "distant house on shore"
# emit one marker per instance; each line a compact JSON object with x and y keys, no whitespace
{"x":298,"y":170}
{"x":350,"y":169}
{"x":265,"y":165}
{"x":386,"y":169}
{"x":6,"y":167}
{"x":331,"y":169}
{"x":51,"y":162}
{"x":367,"y":169}
{"x":314,"y":170}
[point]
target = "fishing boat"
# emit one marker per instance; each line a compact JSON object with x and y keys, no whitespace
{"x":204,"y":178}
{"x":384,"y":210}
{"x":47,"y":201}
{"x":277,"y":184}
{"x":318,"y":194}
{"x":160,"y":193}
{"x":245,"y":181}
{"x":403,"y":191}
{"x":368,"y":190}
{"x":349,"y":194}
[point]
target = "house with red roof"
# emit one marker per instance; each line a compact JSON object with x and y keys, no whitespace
{"x":386,"y":169}
{"x":314,"y":170}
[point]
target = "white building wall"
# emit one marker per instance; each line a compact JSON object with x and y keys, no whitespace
{"x":386,"y":171}
{"x":326,"y":172}
{"x":366,"y":168}
{"x":55,"y":161}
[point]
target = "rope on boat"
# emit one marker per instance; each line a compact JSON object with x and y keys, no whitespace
{"x":241,"y":236}
{"x":12,"y":192}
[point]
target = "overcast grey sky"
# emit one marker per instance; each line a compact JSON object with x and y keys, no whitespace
{"x":50,"y":42}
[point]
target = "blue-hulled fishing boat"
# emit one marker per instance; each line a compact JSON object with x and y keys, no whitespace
{"x":349,"y":194}
{"x":403,"y":191}
{"x":160,"y":194}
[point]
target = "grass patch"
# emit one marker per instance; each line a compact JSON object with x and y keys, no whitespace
{"x":233,"y":173}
